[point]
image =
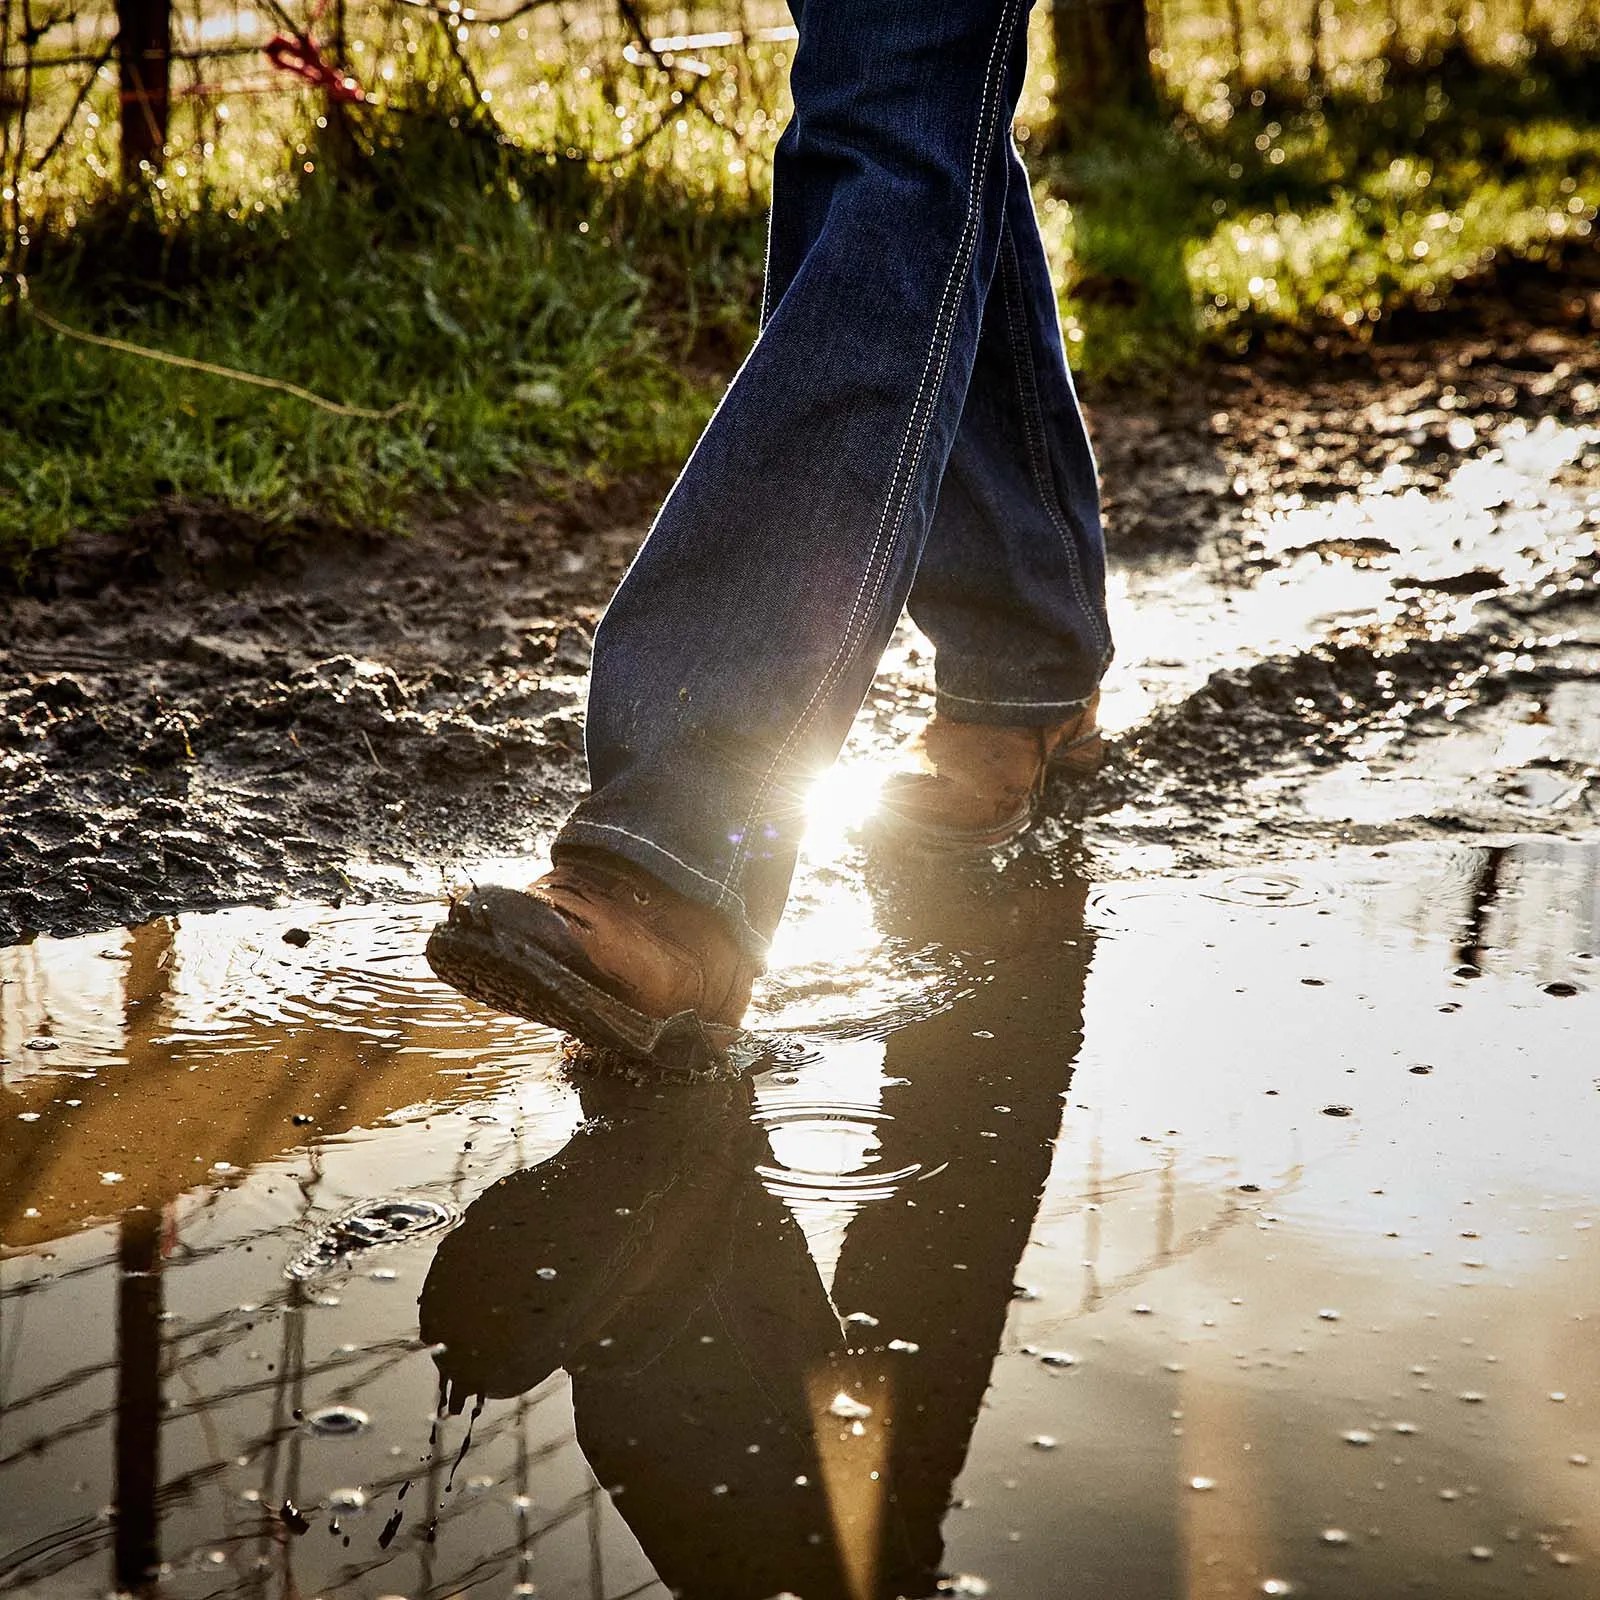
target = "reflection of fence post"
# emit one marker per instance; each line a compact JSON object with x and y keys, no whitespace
{"x":1102,"y":50}
{"x":137,"y":1548}
{"x":144,"y":56}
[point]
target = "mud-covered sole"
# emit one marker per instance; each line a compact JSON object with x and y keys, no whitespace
{"x":515,"y":975}
{"x":1081,"y":759}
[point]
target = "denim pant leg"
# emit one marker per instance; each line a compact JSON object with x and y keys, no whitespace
{"x":742,"y":641}
{"x":1011,"y":588}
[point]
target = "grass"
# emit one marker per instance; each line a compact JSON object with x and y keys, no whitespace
{"x":523,"y":331}
{"x":1285,"y":214}
{"x":544,"y":317}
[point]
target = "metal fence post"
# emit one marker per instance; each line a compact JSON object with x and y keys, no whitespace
{"x":144,"y":58}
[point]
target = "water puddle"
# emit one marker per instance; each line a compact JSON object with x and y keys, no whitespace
{"x":1189,"y":1237}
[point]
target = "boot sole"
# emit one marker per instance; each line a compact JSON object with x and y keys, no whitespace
{"x":513,"y":975}
{"x":1079,"y":760}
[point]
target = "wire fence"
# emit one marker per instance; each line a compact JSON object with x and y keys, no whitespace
{"x":223,"y":104}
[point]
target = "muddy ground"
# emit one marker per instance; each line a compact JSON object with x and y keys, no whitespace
{"x":188,"y":719}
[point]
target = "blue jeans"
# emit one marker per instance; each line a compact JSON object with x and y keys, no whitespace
{"x":905,"y":430}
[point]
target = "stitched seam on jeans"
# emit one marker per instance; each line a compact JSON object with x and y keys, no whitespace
{"x":726,"y":897}
{"x":1035,"y":433}
{"x":938,"y":351}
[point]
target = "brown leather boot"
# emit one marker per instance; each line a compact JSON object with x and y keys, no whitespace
{"x":973,"y":784}
{"x":601,"y":950}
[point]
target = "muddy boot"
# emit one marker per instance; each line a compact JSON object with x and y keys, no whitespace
{"x":974,"y":784}
{"x":601,"y":950}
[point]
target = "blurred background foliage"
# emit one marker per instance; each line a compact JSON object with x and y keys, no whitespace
{"x":526,"y":237}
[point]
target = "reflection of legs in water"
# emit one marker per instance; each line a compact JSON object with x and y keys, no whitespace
{"x":936,"y":1264}
{"x":703,"y":1350}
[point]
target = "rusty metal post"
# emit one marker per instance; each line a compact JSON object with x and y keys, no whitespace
{"x":144,"y":57}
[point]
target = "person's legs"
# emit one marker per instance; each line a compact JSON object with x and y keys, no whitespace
{"x":1011,"y":586}
{"x":737,"y":651}
{"x":739,"y":647}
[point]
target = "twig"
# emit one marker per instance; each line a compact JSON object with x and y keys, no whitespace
{"x":213,"y":370}
{"x":84,"y":91}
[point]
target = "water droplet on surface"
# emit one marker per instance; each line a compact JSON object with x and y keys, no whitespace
{"x":547,"y":1273}
{"x":1578,"y":1460}
{"x":1357,"y":1436}
{"x":1481,"y":1552}
{"x":1142,"y":1310}
{"x":1327,"y":1314}
{"x":1202,"y":1483}
{"x":1277,"y":1586}
{"x":848,"y":1407}
{"x":338,"y":1422}
{"x":346,"y":1501}
{"x":1335,"y":1536}
{"x":42,"y":1044}
{"x":1043,"y":1441}
{"x":1338,"y":1111}
{"x":963,"y":1583}
{"x":1024,"y":1291}
{"x":1260,"y":887}
{"x":1422,"y":1069}
{"x":1562,"y":988}
{"x":1473,"y":1397}
{"x":368,"y":1227}
{"x":1058,"y":1358}
{"x":861,"y":1319}
{"x":904,"y":1346}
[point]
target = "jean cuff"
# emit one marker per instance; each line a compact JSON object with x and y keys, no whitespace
{"x":1032,"y":713}
{"x":579,"y":833}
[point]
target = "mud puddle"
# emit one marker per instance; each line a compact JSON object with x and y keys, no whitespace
{"x":1212,"y":1235}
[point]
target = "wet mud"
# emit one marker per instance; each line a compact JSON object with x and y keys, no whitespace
{"x":1375,"y":545}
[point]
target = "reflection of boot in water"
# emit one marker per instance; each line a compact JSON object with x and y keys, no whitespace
{"x":689,"y":1313}
{"x":754,"y":1454}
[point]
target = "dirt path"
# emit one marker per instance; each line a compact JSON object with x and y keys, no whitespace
{"x":1393,"y":561}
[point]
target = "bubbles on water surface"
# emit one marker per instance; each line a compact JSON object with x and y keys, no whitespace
{"x":338,"y":1422}
{"x":374,"y":1225}
{"x":848,"y":1408}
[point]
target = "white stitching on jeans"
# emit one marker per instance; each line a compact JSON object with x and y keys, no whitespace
{"x":1034,"y":432}
{"x":724,"y":893}
{"x":939,"y":346}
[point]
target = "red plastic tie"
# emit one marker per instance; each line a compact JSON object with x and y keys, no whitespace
{"x":298,"y":53}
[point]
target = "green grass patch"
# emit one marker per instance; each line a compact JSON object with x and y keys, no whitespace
{"x":1285,"y":214}
{"x":536,"y":315}
{"x":525,"y":321}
